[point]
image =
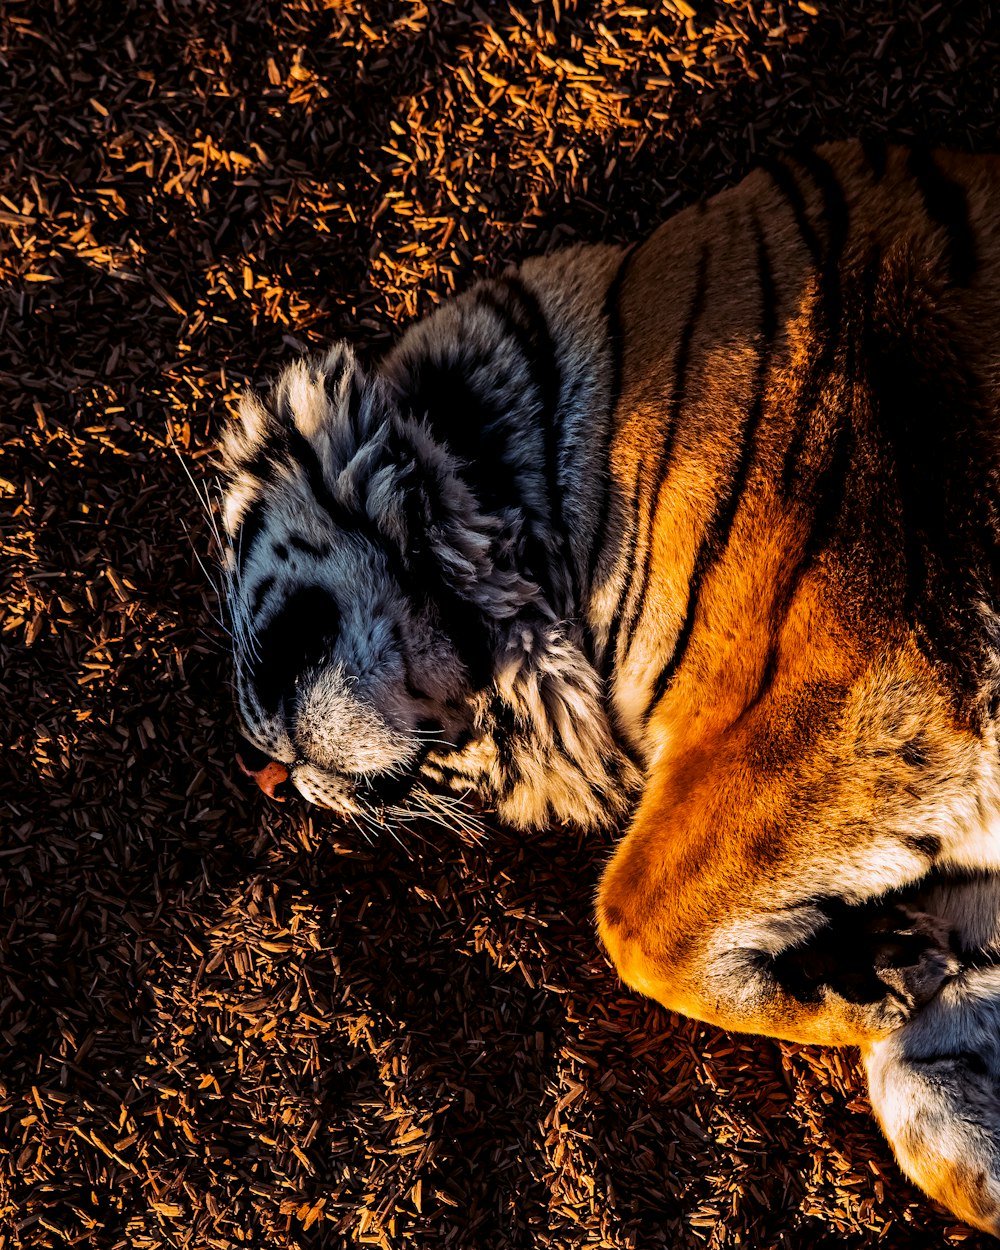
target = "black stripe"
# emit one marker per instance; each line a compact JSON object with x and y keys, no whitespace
{"x":251,"y":525}
{"x":524,"y":322}
{"x":462,"y":740}
{"x":878,"y":358}
{"x":267,"y":454}
{"x":836,"y":220}
{"x":308,"y":548}
{"x":784,"y":180}
{"x":926,"y":844}
{"x":716,"y":538}
{"x":542,"y":358}
{"x":876,"y":153}
{"x":560,"y":751}
{"x":825,"y":349}
{"x":506,"y":729}
{"x":549,"y":379}
{"x":612,"y":318}
{"x":611,"y":645}
{"x":770,"y":669}
{"x":829,"y":490}
{"x":302,"y":452}
{"x":450,"y":775}
{"x":355,"y":394}
{"x":662,"y":466}
{"x":260,"y":594}
{"x":830,"y":486}
{"x":946,"y":204}
{"x":527,"y":325}
{"x":415,"y":691}
{"x":628,"y":752}
{"x":927,"y":406}
{"x":827,"y":325}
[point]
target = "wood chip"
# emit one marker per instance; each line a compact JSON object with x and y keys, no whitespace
{"x":226,"y":1023}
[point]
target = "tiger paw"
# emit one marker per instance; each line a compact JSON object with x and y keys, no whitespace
{"x":884,"y":960}
{"x":935,"y":1089}
{"x":911,"y":956}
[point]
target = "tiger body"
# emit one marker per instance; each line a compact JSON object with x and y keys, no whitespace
{"x":705,"y":530}
{"x":810,"y":680}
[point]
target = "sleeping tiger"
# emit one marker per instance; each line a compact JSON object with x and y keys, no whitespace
{"x":704,"y":531}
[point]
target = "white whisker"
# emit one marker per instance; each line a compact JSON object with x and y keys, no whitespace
{"x":354,"y":821}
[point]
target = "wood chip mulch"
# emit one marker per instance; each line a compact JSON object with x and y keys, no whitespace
{"x":229,"y":1024}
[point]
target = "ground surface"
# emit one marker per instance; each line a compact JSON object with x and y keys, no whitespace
{"x":224,"y":1023}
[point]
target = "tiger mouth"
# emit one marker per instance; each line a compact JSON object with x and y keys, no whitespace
{"x":386,"y":790}
{"x":389,"y":790}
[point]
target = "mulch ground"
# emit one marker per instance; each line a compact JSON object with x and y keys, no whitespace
{"x":225,"y":1023}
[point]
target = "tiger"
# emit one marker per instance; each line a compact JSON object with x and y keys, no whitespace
{"x":699,"y":538}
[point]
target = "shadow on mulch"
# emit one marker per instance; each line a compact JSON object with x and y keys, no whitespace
{"x":229,"y":1024}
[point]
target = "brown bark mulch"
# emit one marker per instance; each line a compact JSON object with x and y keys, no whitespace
{"x":228,"y":1024}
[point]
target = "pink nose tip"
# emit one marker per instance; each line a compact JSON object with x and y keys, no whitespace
{"x":268,"y":778}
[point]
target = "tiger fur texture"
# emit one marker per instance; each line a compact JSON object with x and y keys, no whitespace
{"x":703,"y":533}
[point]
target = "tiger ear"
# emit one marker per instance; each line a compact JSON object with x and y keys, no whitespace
{"x":420,"y":502}
{"x":477,"y":558}
{"x":329,"y":401}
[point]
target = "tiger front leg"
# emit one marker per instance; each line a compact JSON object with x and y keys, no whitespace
{"x":718,"y":939}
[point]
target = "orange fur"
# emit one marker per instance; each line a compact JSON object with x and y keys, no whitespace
{"x":776,"y":754}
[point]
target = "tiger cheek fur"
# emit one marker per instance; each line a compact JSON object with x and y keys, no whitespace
{"x":706,"y":530}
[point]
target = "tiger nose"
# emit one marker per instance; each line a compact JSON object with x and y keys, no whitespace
{"x":267,"y":773}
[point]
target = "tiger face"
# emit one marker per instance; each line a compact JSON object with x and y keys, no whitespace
{"x":383,"y":635}
{"x":345,"y":672}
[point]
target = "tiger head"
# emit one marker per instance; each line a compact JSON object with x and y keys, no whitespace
{"x":383,"y":635}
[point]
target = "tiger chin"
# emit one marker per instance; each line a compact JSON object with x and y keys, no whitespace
{"x":700,"y":536}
